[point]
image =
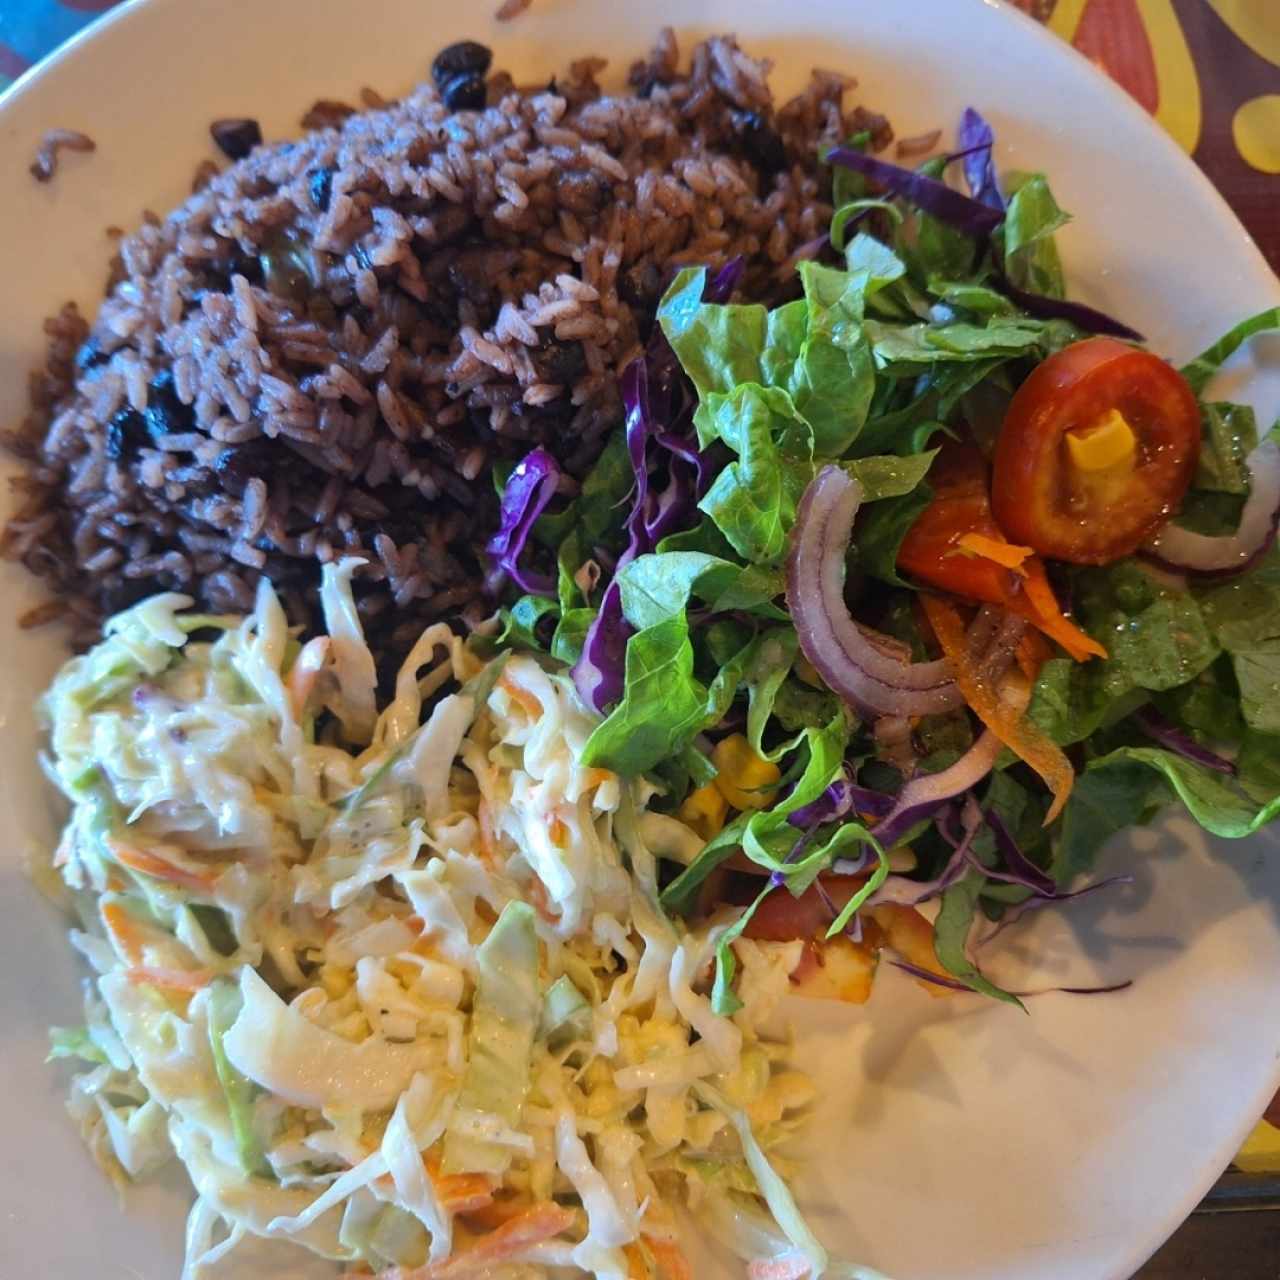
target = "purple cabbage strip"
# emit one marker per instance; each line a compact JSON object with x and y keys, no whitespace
{"x":1015,"y":914}
{"x":719,"y":288}
{"x":975,"y":138}
{"x":910,"y":893}
{"x":951,"y":984}
{"x":839,"y":799}
{"x":531,"y":487}
{"x":658,"y":403}
{"x":1169,"y":736}
{"x":1087,"y":318}
{"x":1019,"y":869}
{"x":930,"y":194}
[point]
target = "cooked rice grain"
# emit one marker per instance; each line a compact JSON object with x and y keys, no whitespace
{"x":323,"y":350}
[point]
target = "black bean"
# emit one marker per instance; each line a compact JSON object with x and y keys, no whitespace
{"x":236,"y":466}
{"x":90,"y":355}
{"x":320,"y":184}
{"x":126,"y":431}
{"x":641,"y":285}
{"x":583,"y":193}
{"x":465,"y":92}
{"x":760,"y":142}
{"x":165,"y":413}
{"x":469,"y":280}
{"x":562,"y":362}
{"x":120,"y":595}
{"x":466,"y":57}
{"x":236,"y":137}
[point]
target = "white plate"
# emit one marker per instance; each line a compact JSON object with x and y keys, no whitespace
{"x":955,"y":1140}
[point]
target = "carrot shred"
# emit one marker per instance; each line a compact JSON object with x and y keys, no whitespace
{"x":520,"y":695}
{"x":672,"y":1264}
{"x":637,"y":1263}
{"x":1041,"y":608}
{"x":786,"y":1268}
{"x":1010,"y":726}
{"x":995,"y":549}
{"x":151,"y":864}
{"x":542,"y":1222}
{"x":460,"y":1192}
{"x":305,"y":672}
{"x":186,"y":981}
{"x":123,"y":931}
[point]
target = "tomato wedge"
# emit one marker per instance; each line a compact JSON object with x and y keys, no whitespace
{"x":1096,"y":452}
{"x":957,"y":546}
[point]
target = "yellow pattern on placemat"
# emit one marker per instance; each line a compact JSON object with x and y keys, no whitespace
{"x":1261,"y":1150}
{"x":1179,"y":109}
{"x":1256,"y":130}
{"x":1255,"y":22}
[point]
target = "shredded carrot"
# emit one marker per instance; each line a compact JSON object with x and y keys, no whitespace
{"x":123,"y":931}
{"x":459,"y":1192}
{"x":1042,"y":609}
{"x":520,"y":695}
{"x":594,"y":777}
{"x":637,"y":1263}
{"x":995,"y":549}
{"x":672,"y":1264}
{"x":542,"y":1222}
{"x":793,"y":1267}
{"x":491,"y":1216}
{"x":187,"y":981}
{"x":488,"y":838}
{"x":1011,"y":727}
{"x":151,"y":864}
{"x":558,"y":832}
{"x":305,"y":672}
{"x":540,"y":901}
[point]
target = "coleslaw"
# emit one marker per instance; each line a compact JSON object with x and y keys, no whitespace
{"x":395,"y":986}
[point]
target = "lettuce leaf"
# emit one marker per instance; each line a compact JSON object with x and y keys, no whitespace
{"x":238,"y":1089}
{"x":662,"y":705}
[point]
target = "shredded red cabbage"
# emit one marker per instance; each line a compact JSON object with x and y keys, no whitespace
{"x":1169,"y":736}
{"x":1087,"y":318}
{"x":530,"y":488}
{"x":975,"y":138}
{"x":842,"y":797}
{"x":1019,"y":869}
{"x":951,"y":984}
{"x":658,"y":401}
{"x":929,"y":194}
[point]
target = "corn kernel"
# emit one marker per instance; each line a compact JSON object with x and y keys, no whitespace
{"x":1106,"y":443}
{"x":704,"y":810}
{"x":336,"y":982}
{"x":744,"y":779}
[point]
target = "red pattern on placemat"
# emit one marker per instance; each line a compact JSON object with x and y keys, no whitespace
{"x":12,"y":63}
{"x":1112,"y":35}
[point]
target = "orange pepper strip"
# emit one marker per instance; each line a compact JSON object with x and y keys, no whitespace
{"x":150,"y":864}
{"x":1032,"y":653}
{"x":1043,"y":610}
{"x":1011,"y":727}
{"x":1003,"y":553}
{"x":186,"y":981}
{"x":543,"y":1222}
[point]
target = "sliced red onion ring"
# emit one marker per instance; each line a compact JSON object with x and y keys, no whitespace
{"x":926,"y":793}
{"x":1178,"y":548}
{"x":875,"y":682}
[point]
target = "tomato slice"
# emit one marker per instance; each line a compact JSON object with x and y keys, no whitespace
{"x":1096,"y":452}
{"x":957,"y":546}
